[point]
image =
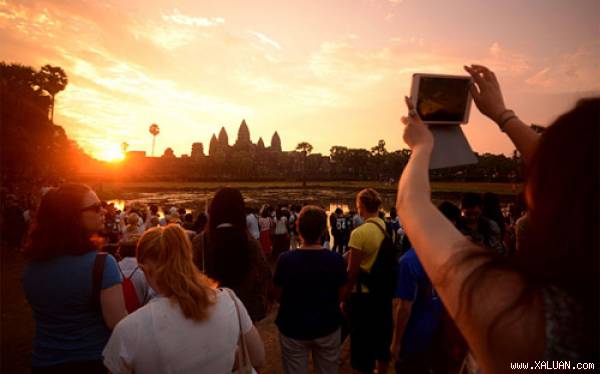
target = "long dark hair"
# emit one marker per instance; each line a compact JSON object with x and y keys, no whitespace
{"x":57,"y":228}
{"x":228,"y":254}
{"x":561,"y":245}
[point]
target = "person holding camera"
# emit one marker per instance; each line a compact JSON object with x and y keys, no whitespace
{"x":542,"y":303}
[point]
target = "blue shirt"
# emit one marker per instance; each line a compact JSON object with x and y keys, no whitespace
{"x":68,"y":327}
{"x":414,"y":285}
{"x":310,"y":281}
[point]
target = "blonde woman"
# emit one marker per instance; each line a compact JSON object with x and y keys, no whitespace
{"x":191,"y":327}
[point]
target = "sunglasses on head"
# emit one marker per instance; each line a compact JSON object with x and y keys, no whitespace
{"x":97,"y":207}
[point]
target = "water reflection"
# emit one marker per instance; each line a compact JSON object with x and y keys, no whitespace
{"x":196,"y":201}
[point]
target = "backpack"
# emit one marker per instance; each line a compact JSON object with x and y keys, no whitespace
{"x":381,"y":280}
{"x":132,"y":303}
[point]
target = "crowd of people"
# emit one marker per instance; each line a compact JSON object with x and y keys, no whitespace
{"x":420,"y":289}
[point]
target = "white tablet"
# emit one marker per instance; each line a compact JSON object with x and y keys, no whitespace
{"x":441,"y":99}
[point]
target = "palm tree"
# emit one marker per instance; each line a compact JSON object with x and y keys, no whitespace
{"x":305,"y":148}
{"x":154,"y":130}
{"x":52,"y":79}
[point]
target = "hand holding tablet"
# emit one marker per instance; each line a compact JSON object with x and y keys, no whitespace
{"x":487,"y":93}
{"x":443,"y":102}
{"x":416,"y":133}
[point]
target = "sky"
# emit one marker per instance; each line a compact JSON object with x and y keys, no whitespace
{"x":325,"y":72}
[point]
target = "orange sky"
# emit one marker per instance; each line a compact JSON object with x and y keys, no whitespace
{"x":326,"y":72}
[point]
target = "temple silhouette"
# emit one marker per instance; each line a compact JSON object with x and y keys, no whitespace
{"x":243,"y":143}
{"x":242,"y":159}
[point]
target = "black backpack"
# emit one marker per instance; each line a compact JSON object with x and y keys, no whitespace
{"x":381,"y":281}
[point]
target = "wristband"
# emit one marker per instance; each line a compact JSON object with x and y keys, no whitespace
{"x":504,"y":117}
{"x":505,"y":121}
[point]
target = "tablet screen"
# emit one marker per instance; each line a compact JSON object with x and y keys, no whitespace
{"x":442,"y":99}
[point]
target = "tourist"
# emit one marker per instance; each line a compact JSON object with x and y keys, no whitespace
{"x":293,"y":229}
{"x":191,"y":327}
{"x":281,"y":237}
{"x":153,"y":222}
{"x":356,"y":219}
{"x":188,"y":221}
{"x":393,"y":227}
{"x":252,"y":223}
{"x":200,"y":222}
{"x":181,"y":212}
{"x":370,"y":316}
{"x":417,"y":315}
{"x":477,"y":227}
{"x":492,"y":211}
{"x":339,"y":231}
{"x":228,"y":254}
{"x":134,"y":226}
{"x":131,"y":270}
{"x":542,"y":303}
{"x":74,"y":292}
{"x":308,"y":282}
{"x":265,"y":223}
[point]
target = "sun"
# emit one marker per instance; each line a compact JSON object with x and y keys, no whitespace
{"x":111,"y":153}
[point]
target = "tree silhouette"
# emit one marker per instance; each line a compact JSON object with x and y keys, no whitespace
{"x":305,"y":148}
{"x":169,"y":153}
{"x":30,"y":145}
{"x":52,"y":80}
{"x":379,"y":149}
{"x":124,"y":147}
{"x":154,"y":130}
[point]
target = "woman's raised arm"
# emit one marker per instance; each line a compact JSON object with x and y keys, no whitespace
{"x":488,"y":98}
{"x":438,"y":243}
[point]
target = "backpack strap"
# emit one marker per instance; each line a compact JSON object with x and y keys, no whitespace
{"x":383,"y":231}
{"x":130,"y":275}
{"x":97,"y":278}
{"x":133,"y":272}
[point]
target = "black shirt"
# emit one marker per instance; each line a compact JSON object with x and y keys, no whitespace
{"x":310,"y":282}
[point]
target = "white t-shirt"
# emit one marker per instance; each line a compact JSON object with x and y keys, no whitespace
{"x":157,"y":338}
{"x":264,"y":223}
{"x":281,"y":226}
{"x":252,"y":225}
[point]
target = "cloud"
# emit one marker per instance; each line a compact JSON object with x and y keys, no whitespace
{"x":169,"y":38}
{"x":182,"y":19}
{"x":573,"y":71}
{"x":265,"y":39}
{"x":541,"y":78}
{"x":505,"y":61}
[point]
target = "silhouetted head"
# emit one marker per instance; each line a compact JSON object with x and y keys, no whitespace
{"x":450,"y":211}
{"x":471,"y":207}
